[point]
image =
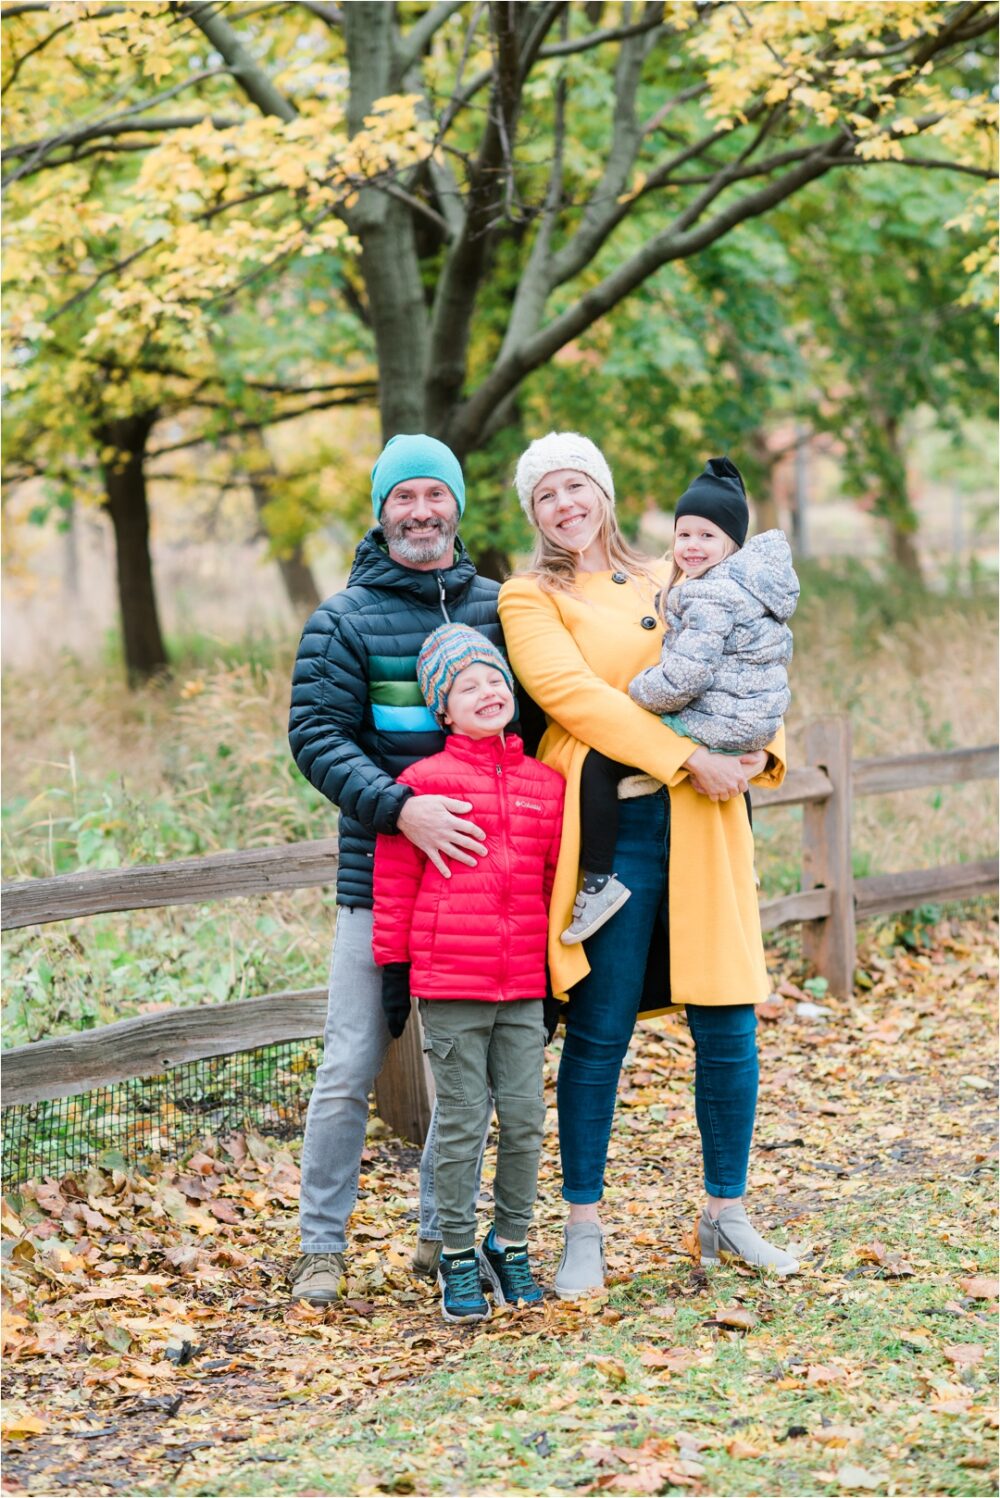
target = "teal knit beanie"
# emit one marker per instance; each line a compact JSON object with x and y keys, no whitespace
{"x":415,"y":456}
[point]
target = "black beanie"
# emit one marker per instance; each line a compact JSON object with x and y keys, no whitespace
{"x":719,"y":495}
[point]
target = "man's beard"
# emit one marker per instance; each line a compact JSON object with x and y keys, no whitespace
{"x":426,"y":541}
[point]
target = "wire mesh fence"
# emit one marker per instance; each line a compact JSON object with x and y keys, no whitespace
{"x":266,"y":1089}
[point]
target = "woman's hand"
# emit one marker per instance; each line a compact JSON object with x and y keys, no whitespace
{"x":720,"y":776}
{"x":755,"y":763}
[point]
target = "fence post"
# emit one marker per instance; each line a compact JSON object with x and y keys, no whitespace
{"x":829,"y":943}
{"x":404,"y":1088}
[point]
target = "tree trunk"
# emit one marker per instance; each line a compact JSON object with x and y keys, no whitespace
{"x":398,"y":316}
{"x":126,"y":503}
{"x":904,"y":552}
{"x":894,"y":504}
{"x":296,"y":574}
{"x":765,"y":505}
{"x":493,"y":561}
{"x":389,"y":264}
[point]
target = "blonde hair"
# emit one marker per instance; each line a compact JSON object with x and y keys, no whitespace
{"x":555,"y":569}
{"x":677,"y":572}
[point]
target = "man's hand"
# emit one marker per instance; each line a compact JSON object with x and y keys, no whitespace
{"x":720,"y":776}
{"x":434,"y":825}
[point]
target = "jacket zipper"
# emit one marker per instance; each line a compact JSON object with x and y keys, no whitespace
{"x":505,"y":855}
{"x":442,"y":598}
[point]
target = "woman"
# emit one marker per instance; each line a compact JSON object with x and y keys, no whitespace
{"x":578,"y":626}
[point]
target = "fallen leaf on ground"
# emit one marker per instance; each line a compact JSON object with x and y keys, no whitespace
{"x":742,"y":1450}
{"x":858,"y":1477}
{"x":737,"y":1316}
{"x":835,"y":1435}
{"x":20,"y":1427}
{"x":964,"y":1354}
{"x":981,"y":1287}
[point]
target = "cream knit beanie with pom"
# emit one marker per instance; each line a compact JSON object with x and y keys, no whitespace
{"x":555,"y":451}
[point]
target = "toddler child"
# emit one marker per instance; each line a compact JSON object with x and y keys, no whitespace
{"x":471,"y":948}
{"x":722,"y":678}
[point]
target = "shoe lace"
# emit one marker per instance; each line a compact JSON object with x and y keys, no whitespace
{"x":463,"y":1280}
{"x":520,"y":1281}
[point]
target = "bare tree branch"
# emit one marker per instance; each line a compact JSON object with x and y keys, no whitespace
{"x":674,"y":243}
{"x":626,"y":138}
{"x":418,"y":205}
{"x":331,"y":14}
{"x":252,"y":77}
{"x":694,"y":91}
{"x":930,"y":163}
{"x":489,"y":177}
{"x":586,"y":43}
{"x":609,"y":34}
{"x":354,"y":398}
{"x":110,"y":128}
{"x":55,"y":142}
{"x":413,"y":45}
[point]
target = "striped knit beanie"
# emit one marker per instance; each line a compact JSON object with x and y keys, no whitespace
{"x":448,"y":651}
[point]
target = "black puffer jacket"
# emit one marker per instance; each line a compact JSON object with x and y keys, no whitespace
{"x":357,"y":717}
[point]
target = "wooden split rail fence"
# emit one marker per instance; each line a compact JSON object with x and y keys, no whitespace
{"x":829,"y":904}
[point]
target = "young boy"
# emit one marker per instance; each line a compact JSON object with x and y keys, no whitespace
{"x":470,"y":947}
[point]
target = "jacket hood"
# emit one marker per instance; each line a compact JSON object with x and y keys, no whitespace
{"x":764,"y":568}
{"x":373,"y":567}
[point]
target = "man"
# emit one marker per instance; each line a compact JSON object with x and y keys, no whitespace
{"x":357,"y":720}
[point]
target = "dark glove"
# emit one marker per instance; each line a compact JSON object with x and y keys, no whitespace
{"x":552,"y":1013}
{"x":396,"y":996}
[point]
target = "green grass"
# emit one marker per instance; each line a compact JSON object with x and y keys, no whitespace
{"x":524,"y":1386}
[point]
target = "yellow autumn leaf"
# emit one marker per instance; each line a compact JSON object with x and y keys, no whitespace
{"x":21,"y":1427}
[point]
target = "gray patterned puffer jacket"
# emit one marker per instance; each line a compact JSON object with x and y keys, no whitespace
{"x":723,"y":671}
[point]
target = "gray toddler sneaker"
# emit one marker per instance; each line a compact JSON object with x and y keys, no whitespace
{"x":730,"y":1236}
{"x":592,"y":909}
{"x":581,"y":1268}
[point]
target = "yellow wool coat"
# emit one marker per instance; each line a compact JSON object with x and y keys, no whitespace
{"x":575,"y":653}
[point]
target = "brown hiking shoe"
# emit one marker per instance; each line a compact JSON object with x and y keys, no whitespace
{"x":426,"y":1257}
{"x":318,"y":1278}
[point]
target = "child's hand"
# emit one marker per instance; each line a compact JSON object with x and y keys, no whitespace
{"x":396,"y":996}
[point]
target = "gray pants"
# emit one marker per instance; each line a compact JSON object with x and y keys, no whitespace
{"x":355,"y":1041}
{"x":473,"y":1047}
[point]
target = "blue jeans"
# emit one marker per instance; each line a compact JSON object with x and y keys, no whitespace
{"x":601,"y":1016}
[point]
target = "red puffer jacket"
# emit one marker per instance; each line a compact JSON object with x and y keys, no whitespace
{"x":482,"y":933}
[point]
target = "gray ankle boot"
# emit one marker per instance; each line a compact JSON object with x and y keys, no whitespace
{"x":730,"y":1236}
{"x":581,"y":1268}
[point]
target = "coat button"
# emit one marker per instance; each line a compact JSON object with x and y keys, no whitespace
{"x":618,"y":577}
{"x":648,"y":622}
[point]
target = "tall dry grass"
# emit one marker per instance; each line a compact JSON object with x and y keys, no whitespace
{"x":97,"y":776}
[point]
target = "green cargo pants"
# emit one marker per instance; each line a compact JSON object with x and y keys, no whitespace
{"x":472,"y":1047}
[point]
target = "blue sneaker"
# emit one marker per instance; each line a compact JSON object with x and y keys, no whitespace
{"x":507,"y":1274}
{"x":462,"y":1297}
